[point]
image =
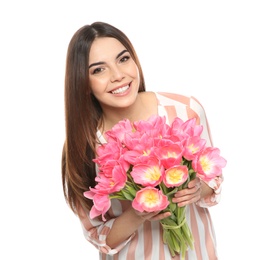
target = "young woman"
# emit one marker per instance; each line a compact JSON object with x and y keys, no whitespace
{"x":104,"y":84}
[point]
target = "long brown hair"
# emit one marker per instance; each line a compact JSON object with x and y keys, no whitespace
{"x":83,"y":112}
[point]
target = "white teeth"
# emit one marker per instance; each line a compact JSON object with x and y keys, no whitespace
{"x":120,"y":90}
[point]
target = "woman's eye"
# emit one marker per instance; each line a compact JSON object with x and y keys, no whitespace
{"x":97,"y":70}
{"x":124,"y":58}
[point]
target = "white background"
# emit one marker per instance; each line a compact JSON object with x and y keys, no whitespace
{"x":225,"y":53}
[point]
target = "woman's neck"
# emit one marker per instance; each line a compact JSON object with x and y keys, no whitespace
{"x":144,"y":106}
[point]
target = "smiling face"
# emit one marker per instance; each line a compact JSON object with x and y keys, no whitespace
{"x":113,"y":74}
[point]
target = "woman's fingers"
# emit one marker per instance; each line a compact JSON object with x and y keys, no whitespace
{"x":160,"y":216}
{"x":151,"y":216}
{"x":188,"y":195}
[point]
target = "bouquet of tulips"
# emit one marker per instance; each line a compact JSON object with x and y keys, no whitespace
{"x":146,"y":162}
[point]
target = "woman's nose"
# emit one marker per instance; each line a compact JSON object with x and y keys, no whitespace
{"x":116,"y":74}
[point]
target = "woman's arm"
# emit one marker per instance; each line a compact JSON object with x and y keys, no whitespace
{"x":204,"y":194}
{"x":126,"y":224}
{"x":111,"y":236}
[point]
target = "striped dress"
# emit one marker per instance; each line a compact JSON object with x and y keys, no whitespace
{"x":146,"y":243}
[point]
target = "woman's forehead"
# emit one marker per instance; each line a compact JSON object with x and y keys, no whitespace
{"x":105,"y":47}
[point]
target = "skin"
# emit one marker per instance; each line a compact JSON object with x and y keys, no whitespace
{"x":114,"y":80}
{"x":113,"y":69}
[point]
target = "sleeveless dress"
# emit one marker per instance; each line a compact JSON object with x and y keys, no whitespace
{"x":146,"y":243}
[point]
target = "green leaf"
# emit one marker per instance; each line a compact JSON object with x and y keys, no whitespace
{"x":171,"y":192}
{"x":172,"y":206}
{"x":127,"y":195}
{"x":175,"y":242}
{"x":186,"y":232}
{"x":171,"y":245}
{"x":131,"y":191}
{"x":165,"y":234}
{"x":117,"y":196}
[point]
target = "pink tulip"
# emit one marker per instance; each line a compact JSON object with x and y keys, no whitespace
{"x":176,"y":176}
{"x":184,"y":129}
{"x":169,"y":155}
{"x":150,"y":200}
{"x":119,"y":131}
{"x":137,"y":148}
{"x":193,"y":146}
{"x":109,"y":151}
{"x":154,"y":127}
{"x":101,"y":204}
{"x":111,"y":179}
{"x":209,"y":164}
{"x":148,"y":174}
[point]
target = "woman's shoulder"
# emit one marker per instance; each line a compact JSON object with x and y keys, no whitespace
{"x":168,"y":99}
{"x":176,"y":97}
{"x":172,"y":99}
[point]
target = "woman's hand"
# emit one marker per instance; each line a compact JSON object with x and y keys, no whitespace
{"x":151,"y":216}
{"x":189,"y":195}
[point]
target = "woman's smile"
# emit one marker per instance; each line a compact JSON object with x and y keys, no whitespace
{"x":120,"y":90}
{"x":112,"y":71}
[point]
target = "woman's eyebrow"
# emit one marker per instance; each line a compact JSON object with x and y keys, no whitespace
{"x":102,"y":62}
{"x":121,"y":53}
